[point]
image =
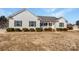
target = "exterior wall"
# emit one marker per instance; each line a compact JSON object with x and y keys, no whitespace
{"x":11,"y":23}
{"x":25,"y":17}
{"x":53,"y":25}
{"x":61,"y":20}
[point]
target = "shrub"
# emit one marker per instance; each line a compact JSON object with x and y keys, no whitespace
{"x":65,"y":29}
{"x":58,"y":29}
{"x":62,"y":29}
{"x":25,"y":29}
{"x":47,"y":29}
{"x":39,"y":29}
{"x":10,"y":29}
{"x":53,"y":30}
{"x":17,"y":30}
{"x":31,"y":29}
{"x":70,"y":28}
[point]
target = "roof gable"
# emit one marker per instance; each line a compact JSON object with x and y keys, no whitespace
{"x":18,"y":12}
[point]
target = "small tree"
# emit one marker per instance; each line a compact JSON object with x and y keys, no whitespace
{"x":3,"y":22}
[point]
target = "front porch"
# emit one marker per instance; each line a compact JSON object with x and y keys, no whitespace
{"x":47,"y":25}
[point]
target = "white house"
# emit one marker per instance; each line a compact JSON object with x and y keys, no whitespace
{"x":25,"y":19}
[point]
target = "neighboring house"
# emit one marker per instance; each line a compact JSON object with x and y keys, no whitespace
{"x":75,"y":27}
{"x":25,"y":19}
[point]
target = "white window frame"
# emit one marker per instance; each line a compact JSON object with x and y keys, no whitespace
{"x":16,"y":24}
{"x":32,"y":23}
{"x":61,"y":24}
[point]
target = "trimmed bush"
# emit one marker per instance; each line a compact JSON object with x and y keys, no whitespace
{"x":58,"y":29}
{"x":32,"y":30}
{"x":47,"y":29}
{"x":17,"y":30}
{"x":25,"y":29}
{"x":65,"y":29}
{"x":62,"y":29}
{"x":70,"y":28}
{"x":10,"y":29}
{"x":53,"y":30}
{"x":39,"y":29}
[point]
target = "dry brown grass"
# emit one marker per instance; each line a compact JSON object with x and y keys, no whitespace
{"x":39,"y":41}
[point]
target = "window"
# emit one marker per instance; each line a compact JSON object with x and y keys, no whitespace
{"x":17,"y":23}
{"x":45,"y":24}
{"x":32,"y":23}
{"x":61,"y":24}
{"x":41,"y":24}
{"x":50,"y":24}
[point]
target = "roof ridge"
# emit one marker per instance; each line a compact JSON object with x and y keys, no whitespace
{"x":17,"y":12}
{"x":46,"y":16}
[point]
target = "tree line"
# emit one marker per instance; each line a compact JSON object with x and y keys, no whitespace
{"x":3,"y":22}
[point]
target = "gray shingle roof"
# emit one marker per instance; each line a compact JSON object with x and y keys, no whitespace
{"x":41,"y":18}
{"x":48,"y":18}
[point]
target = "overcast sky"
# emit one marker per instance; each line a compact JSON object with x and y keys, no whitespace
{"x":71,"y":14}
